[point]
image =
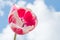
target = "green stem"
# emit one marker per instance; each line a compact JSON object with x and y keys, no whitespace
{"x":15,"y":36}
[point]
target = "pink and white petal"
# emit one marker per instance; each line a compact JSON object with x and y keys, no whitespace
{"x":27,"y":29}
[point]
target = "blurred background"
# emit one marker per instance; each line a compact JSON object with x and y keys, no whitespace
{"x":47,"y":12}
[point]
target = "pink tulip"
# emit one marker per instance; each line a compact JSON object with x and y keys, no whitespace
{"x":22,"y":20}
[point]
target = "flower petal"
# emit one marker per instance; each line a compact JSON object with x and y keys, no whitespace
{"x":12,"y":19}
{"x":29,"y":18}
{"x":21,"y":12}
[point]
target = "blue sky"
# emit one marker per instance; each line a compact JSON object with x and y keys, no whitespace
{"x":6,"y":8}
{"x":53,"y":3}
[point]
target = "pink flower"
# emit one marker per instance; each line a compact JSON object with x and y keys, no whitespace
{"x":22,"y":20}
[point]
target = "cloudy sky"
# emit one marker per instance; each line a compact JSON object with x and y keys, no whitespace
{"x":47,"y":12}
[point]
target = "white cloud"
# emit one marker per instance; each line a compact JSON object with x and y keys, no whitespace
{"x":47,"y":22}
{"x":47,"y":28}
{"x":8,"y":34}
{"x":3,"y":3}
{"x":21,"y":3}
